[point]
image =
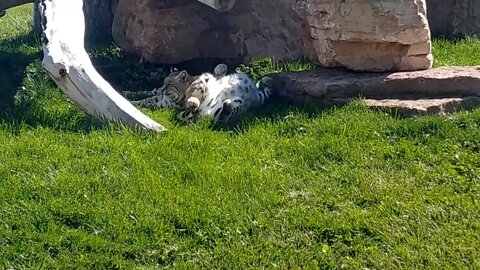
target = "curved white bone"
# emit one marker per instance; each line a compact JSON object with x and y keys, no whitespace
{"x":65,"y":58}
{"x":220,"y":5}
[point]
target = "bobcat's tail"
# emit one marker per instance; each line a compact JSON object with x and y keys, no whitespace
{"x":265,"y":89}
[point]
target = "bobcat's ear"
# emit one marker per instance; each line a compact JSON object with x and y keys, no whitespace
{"x":182,"y":76}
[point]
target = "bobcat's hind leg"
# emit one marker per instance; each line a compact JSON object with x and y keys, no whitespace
{"x":232,"y":109}
{"x":220,"y":71}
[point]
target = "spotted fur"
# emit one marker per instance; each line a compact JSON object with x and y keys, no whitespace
{"x":224,"y":99}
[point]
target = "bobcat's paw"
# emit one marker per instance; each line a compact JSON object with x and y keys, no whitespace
{"x":228,"y":110}
{"x":192,"y":103}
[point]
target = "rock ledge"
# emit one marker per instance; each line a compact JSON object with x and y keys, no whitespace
{"x":433,"y":91}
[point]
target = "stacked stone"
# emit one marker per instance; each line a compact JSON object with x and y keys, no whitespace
{"x":367,"y":35}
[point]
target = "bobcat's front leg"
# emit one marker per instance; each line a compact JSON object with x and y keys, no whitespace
{"x":143,"y":93}
{"x":196,"y":93}
{"x":150,"y":102}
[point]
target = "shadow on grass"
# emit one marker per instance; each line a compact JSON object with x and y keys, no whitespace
{"x":29,"y":96}
{"x":278,"y":110}
{"x":13,"y":64}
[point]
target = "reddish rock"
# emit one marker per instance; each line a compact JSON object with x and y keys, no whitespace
{"x":436,"y":90}
{"x":425,"y":106}
{"x":368,"y":35}
{"x":181,"y":30}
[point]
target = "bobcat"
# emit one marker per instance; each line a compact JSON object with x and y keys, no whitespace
{"x":220,"y":96}
{"x":172,"y":93}
{"x":223,"y":98}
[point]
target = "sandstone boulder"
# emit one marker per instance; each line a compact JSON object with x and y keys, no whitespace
{"x":181,"y":30}
{"x":426,"y":92}
{"x":367,"y":35}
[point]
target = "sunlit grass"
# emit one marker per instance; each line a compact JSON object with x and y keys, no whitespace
{"x":286,"y":188}
{"x":461,"y":52}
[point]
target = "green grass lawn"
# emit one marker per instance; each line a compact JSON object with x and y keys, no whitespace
{"x":286,"y":188}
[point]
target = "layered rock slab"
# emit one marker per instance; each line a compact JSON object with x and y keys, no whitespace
{"x":367,"y":35}
{"x":182,"y":30}
{"x":435,"y":106}
{"x":431,"y":91}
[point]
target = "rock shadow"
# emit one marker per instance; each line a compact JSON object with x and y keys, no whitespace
{"x":12,"y":69}
{"x":27,"y":94}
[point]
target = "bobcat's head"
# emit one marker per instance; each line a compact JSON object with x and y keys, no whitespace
{"x":175,"y":86}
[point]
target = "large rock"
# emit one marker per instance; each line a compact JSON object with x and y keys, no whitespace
{"x":367,"y":35}
{"x":454,"y":17}
{"x":181,"y":30}
{"x":430,"y":91}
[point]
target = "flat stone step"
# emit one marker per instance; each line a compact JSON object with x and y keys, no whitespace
{"x":433,"y":91}
{"x":425,"y":106}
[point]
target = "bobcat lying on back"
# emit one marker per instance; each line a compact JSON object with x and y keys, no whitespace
{"x":219,"y":96}
{"x":223,"y":98}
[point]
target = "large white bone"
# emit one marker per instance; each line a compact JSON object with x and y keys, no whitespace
{"x":221,"y":5}
{"x":65,"y":58}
